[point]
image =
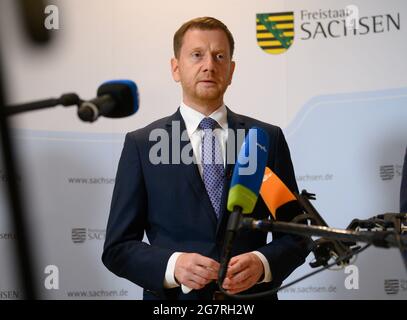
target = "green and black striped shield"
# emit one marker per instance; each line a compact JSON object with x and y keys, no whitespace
{"x":275,"y":31}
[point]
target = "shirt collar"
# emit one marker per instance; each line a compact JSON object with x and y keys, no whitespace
{"x":193,"y":118}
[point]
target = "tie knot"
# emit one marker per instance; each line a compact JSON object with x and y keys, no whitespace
{"x":208,"y":123}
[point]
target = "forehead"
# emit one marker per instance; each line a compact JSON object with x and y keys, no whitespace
{"x":196,"y":38}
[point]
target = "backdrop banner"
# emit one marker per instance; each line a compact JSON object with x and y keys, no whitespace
{"x":332,"y":74}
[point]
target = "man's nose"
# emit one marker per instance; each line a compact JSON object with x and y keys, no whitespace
{"x":209,"y":63}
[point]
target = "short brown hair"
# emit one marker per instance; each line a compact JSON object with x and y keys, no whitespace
{"x":203,"y":23}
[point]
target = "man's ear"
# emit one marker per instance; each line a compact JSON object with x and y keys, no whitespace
{"x":175,"y":69}
{"x":232,"y":69}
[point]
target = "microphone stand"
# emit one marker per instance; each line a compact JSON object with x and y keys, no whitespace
{"x":231,"y":230}
{"x":33,"y":17}
{"x":322,"y":248}
{"x":67,"y":99}
{"x":391,"y":231}
{"x":17,"y":218}
{"x":383,"y":239}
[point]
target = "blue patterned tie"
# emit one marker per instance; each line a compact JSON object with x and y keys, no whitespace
{"x":212,"y":164}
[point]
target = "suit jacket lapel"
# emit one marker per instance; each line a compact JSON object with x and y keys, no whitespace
{"x":191,"y":171}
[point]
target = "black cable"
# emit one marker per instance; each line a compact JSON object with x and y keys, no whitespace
{"x":275,"y":290}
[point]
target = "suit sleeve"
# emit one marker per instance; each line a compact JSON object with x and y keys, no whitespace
{"x":286,"y":252}
{"x":125,"y":254}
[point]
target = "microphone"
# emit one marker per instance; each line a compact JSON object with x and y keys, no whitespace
{"x":244,"y":188}
{"x":292,"y":207}
{"x":115,"y":99}
{"x":280,"y":201}
{"x":32,"y":13}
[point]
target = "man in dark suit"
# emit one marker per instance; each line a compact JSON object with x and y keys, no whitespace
{"x":182,"y":205}
{"x":403,"y":190}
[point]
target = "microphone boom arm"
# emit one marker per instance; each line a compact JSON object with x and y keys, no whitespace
{"x":68,"y":99}
{"x":383,"y":239}
{"x":323,"y":249}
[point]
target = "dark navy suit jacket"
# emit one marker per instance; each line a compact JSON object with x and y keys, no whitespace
{"x":169,"y":202}
{"x":403,"y":191}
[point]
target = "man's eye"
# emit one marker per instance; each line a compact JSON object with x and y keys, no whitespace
{"x":196,"y":54}
{"x":220,"y":56}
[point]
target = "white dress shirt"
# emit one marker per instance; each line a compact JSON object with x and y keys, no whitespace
{"x":192,"y":119}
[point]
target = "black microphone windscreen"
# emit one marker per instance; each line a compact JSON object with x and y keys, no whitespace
{"x":125,"y":95}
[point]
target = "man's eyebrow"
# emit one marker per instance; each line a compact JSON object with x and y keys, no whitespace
{"x":196,"y":49}
{"x":212,"y":50}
